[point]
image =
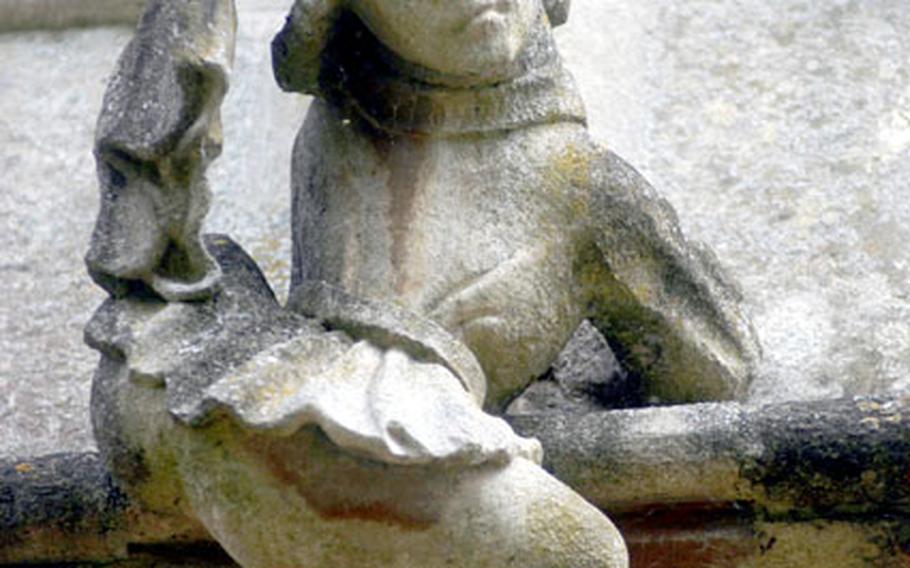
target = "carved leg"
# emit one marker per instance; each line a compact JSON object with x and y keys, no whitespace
{"x":300,"y":502}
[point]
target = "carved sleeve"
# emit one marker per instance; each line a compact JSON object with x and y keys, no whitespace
{"x":158,"y":131}
{"x":663,"y":303}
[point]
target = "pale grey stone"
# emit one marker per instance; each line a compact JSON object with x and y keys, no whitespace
{"x":211,"y":402}
{"x":48,"y":201}
{"x":804,"y":180}
{"x":276,"y":372}
{"x":817,"y":461}
{"x":388,"y":326}
{"x":775,"y":130}
{"x":159,"y":356}
{"x":159,"y":128}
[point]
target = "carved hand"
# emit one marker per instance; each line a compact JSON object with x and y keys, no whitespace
{"x":158,"y":131}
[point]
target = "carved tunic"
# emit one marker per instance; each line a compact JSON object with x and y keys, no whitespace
{"x":459,"y":230}
{"x":489,"y":210}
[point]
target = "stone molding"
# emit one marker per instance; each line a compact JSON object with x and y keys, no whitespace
{"x":21,"y":15}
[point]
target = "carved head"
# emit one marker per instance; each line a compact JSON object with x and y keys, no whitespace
{"x":474,"y":39}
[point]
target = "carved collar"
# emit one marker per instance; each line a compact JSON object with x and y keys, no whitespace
{"x":363,"y":78}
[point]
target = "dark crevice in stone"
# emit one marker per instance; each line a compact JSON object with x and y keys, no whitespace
{"x":586,"y":377}
{"x":188,"y":554}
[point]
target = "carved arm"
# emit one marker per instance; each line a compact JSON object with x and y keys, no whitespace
{"x":158,"y":131}
{"x":663,"y":303}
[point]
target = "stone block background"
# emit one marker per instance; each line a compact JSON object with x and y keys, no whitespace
{"x":780,"y":131}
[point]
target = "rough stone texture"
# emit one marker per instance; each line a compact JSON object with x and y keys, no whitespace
{"x":294,"y":444}
{"x":47,"y":500}
{"x":48,"y":199}
{"x":183,"y":405}
{"x":274,"y":372}
{"x":777,"y":133}
{"x":390,"y":326}
{"x":788,"y":160}
{"x":67,"y":508}
{"x":158,"y":131}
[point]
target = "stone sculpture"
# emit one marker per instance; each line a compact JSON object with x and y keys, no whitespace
{"x":455,"y":176}
{"x":453,"y":225}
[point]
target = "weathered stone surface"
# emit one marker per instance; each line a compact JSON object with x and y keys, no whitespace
{"x":293,"y":444}
{"x":389,"y":326}
{"x":176,"y":404}
{"x":48,"y":201}
{"x":777,"y":133}
{"x":158,"y":131}
{"x":847,"y":456}
{"x":487,"y":142}
{"x":394,"y":396}
{"x":67,"y":508}
{"x":60,"y":507}
{"x":821,"y":259}
{"x":773,"y":130}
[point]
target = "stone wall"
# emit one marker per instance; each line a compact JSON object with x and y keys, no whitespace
{"x":779,"y":131}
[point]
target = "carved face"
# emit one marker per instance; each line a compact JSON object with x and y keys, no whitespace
{"x":475,"y":39}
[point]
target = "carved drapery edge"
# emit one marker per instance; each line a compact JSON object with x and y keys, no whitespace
{"x":158,"y":131}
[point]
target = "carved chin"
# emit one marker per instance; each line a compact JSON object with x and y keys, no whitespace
{"x":491,"y":57}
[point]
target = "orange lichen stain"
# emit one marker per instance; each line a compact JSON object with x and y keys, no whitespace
{"x":573,"y":166}
{"x":25,"y":467}
{"x":375,"y":512}
{"x":568,"y":176}
{"x":334,"y":508}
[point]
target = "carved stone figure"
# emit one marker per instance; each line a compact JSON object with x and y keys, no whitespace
{"x":446,"y":167}
{"x":453,"y":224}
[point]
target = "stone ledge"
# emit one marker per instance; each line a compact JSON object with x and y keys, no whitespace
{"x":700,"y":485}
{"x":21,"y":15}
{"x":798,"y":460}
{"x":67,"y":508}
{"x":29,"y":15}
